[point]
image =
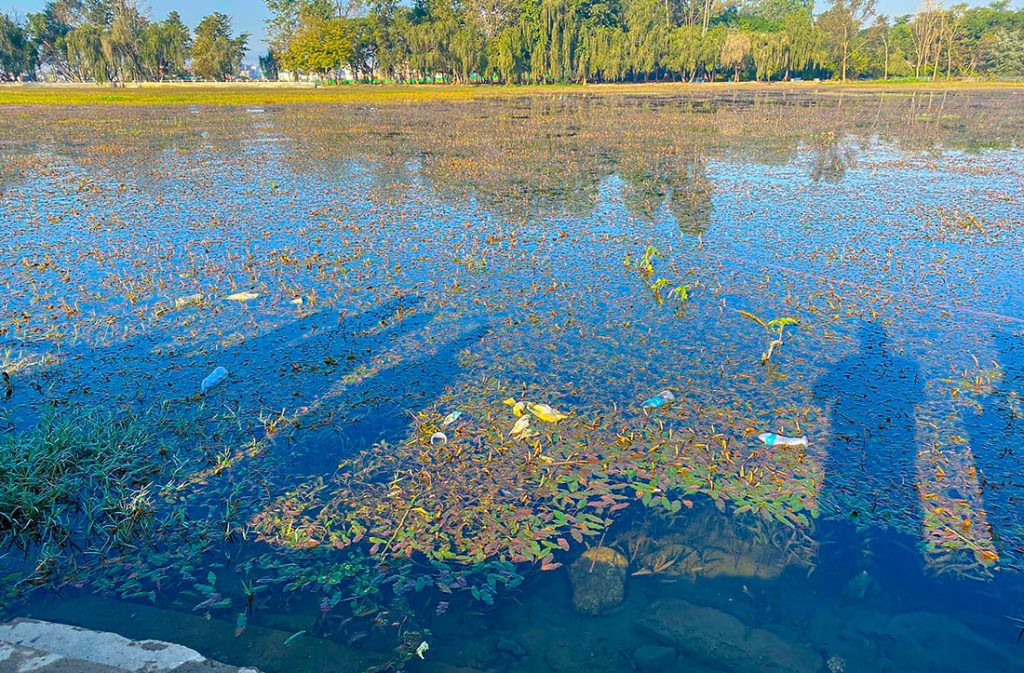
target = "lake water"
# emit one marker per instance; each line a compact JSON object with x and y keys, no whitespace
{"x":842,"y":266}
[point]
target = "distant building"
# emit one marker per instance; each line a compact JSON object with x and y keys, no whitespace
{"x":250,"y":71}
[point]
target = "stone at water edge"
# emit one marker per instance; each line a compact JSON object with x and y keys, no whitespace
{"x":598,"y":579}
{"x":719,"y":640}
{"x":654,"y":658}
{"x":47,"y":647}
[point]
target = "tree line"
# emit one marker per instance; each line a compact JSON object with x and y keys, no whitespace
{"x":525,"y":41}
{"x":115,"y":41}
{"x":519,"y":41}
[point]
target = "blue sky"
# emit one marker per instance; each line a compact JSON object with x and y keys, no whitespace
{"x":249,"y":15}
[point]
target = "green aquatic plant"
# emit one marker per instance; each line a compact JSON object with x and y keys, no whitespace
{"x":680,"y":293}
{"x":775,"y":329}
{"x":646,"y":264}
{"x":76,"y":474}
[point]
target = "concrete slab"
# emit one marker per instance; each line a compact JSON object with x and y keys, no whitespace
{"x":32,"y":646}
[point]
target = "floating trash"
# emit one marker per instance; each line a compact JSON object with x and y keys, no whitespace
{"x":438,"y":439}
{"x":520,"y":408}
{"x":520,"y":427}
{"x":772,"y":439}
{"x":188,"y":300}
{"x":451,"y":418}
{"x":659,"y":400}
{"x":546,"y":413}
{"x":297,"y":301}
{"x":243,"y":296}
{"x":421,"y":650}
{"x":292,"y":638}
{"x":217,"y":377}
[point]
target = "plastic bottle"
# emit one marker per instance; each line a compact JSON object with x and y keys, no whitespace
{"x":659,"y":400}
{"x":216,"y":377}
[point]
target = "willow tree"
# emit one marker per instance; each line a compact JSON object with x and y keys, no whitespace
{"x":164,"y":47}
{"x":468,"y":50}
{"x":123,"y":40}
{"x":647,"y":32}
{"x":603,"y":54}
{"x":86,"y":56}
{"x":508,"y":54}
{"x":389,"y":31}
{"x":683,"y":51}
{"x":769,"y":51}
{"x":806,"y":46}
{"x":735,"y":50}
{"x":554,"y":50}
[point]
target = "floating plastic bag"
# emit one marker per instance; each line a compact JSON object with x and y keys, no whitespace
{"x":188,"y":300}
{"x":546,"y":413}
{"x":521,"y":426}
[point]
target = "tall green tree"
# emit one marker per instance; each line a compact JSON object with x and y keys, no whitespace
{"x":17,"y":57}
{"x":123,"y":40}
{"x":287,"y":16}
{"x":647,"y":26}
{"x":48,"y":31}
{"x":735,"y":50}
{"x":843,"y":25}
{"x":269,"y":65}
{"x":165,"y":48}
{"x":216,"y":55}
{"x":87,"y":57}
{"x":320,"y":45}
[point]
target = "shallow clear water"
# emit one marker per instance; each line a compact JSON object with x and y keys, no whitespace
{"x":584,"y":252}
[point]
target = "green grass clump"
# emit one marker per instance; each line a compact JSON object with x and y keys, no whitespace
{"x":74,"y":473}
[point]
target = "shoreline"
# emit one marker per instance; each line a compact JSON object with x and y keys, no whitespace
{"x":257,"y":93}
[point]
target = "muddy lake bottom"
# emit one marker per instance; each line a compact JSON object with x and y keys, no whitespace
{"x":722,"y":381}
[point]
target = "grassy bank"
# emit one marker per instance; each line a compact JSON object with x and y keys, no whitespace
{"x":269,"y":94}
